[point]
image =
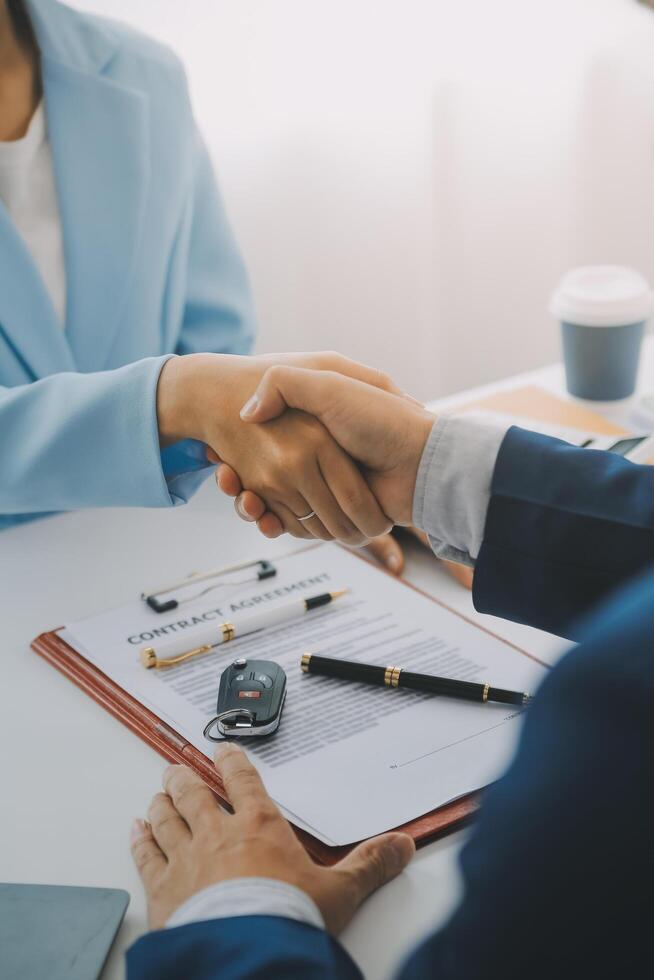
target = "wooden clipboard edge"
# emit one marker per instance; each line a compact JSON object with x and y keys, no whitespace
{"x":169,"y":744}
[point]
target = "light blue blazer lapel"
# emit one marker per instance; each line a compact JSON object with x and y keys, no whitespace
{"x":99,"y":136}
{"x":27,"y":316}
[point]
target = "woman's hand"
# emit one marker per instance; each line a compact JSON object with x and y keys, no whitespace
{"x":292,"y":464}
{"x":387,"y":549}
{"x":190,"y":844}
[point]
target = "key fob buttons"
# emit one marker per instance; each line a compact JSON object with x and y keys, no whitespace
{"x":251,"y":696}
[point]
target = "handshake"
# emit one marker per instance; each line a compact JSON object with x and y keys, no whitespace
{"x":314,"y":445}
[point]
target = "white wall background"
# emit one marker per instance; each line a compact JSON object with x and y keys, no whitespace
{"x":409,"y":178}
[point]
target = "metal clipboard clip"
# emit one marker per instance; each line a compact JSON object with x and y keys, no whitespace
{"x":265,"y":569}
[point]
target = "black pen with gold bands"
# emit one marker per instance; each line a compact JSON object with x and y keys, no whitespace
{"x":351,"y":670}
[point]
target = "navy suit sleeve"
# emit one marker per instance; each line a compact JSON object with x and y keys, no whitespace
{"x":561,"y":861}
{"x":565,"y":527}
{"x":240,"y":948}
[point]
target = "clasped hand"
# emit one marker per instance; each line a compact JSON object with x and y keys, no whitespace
{"x":292,"y":463}
{"x":380,"y":429}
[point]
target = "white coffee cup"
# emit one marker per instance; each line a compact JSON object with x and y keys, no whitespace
{"x":603,"y":310}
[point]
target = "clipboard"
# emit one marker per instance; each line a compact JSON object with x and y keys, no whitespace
{"x":176,"y":749}
{"x":533,"y":402}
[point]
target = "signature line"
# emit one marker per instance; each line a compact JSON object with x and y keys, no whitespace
{"x":409,"y":762}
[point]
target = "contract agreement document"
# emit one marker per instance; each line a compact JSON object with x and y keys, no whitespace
{"x":349,"y":761}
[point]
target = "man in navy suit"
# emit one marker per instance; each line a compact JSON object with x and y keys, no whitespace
{"x":558,"y":871}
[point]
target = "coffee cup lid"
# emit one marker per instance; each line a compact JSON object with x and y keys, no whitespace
{"x":602,"y":296}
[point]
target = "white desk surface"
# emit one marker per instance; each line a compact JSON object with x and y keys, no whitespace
{"x":73,"y":777}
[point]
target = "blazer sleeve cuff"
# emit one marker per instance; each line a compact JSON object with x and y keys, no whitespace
{"x":246,"y":947}
{"x":175,"y":473}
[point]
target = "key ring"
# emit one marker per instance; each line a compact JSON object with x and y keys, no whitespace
{"x":239,"y":712}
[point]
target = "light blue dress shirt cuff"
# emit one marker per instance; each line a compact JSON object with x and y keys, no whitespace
{"x":453,"y":484}
{"x":248,"y":896}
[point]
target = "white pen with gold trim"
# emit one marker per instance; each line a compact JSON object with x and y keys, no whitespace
{"x":177,"y":651}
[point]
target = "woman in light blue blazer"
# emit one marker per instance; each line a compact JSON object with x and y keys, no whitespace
{"x":115,"y":255}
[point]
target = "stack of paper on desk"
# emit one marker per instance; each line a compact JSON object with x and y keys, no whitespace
{"x":349,"y":761}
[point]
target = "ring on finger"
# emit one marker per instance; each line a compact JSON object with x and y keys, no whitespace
{"x":240,"y":509}
{"x":307,"y":517}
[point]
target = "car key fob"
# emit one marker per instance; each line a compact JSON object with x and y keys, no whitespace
{"x":251,"y":697}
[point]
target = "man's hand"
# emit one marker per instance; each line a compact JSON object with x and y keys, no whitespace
{"x":191,"y":843}
{"x":383,"y":431}
{"x":293,"y":464}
